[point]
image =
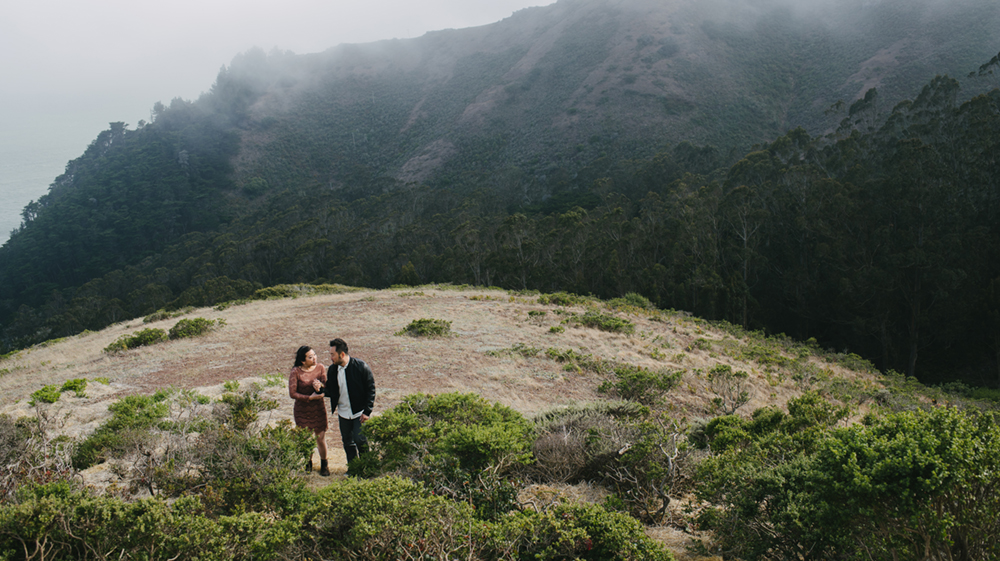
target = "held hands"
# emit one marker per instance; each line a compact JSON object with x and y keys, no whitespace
{"x":317,"y":386}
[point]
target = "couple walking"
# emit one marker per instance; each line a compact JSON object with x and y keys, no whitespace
{"x":351,"y":389}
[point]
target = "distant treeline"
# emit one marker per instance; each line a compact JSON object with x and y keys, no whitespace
{"x":882,"y":238}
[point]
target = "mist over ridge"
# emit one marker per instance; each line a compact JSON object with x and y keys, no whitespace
{"x":628,"y":77}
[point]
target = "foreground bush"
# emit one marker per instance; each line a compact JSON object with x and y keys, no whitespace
{"x":126,"y":430}
{"x":240,"y":470}
{"x":403,"y":520}
{"x":477,"y":433}
{"x":913,"y":485}
{"x":459,"y":445}
{"x":385,"y":519}
{"x":59,"y":522}
{"x":28,"y":456}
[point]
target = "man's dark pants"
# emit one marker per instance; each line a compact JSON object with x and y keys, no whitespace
{"x":354,"y":438}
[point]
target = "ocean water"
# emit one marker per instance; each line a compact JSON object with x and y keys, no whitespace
{"x":34,"y":150}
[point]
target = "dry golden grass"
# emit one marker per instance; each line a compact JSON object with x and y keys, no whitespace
{"x":260,"y":339}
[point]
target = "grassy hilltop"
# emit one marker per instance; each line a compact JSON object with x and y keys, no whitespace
{"x":568,"y":427}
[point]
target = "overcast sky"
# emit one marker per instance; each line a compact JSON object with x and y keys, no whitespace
{"x":72,"y":66}
{"x":74,"y":54}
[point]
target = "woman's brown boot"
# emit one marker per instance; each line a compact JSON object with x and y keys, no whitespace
{"x":324,"y":469}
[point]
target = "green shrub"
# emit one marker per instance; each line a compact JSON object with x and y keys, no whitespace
{"x":635,"y":383}
{"x":296,"y":290}
{"x":243,"y":408}
{"x":579,"y":361}
{"x":466,"y":426}
{"x":400,"y":520}
{"x":605,"y":322}
{"x":427,"y":328}
{"x":631,"y":300}
{"x":518,"y":349}
{"x":48,"y":394}
{"x":562,"y":299}
{"x":128,"y":428}
{"x":700,"y":344}
{"x":447,"y":441}
{"x":80,"y":525}
{"x":29,"y":457}
{"x":904,"y":486}
{"x":244,"y":470}
{"x":732,"y":388}
{"x":76,"y":385}
{"x":403,"y":520}
{"x":148,"y":336}
{"x":572,"y":531}
{"x":193,"y":327}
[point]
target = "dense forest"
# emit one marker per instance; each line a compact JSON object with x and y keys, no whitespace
{"x":876,"y":234}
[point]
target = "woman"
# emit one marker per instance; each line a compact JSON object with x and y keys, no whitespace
{"x":309,"y":410}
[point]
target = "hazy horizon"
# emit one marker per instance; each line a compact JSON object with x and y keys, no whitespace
{"x":80,"y":66}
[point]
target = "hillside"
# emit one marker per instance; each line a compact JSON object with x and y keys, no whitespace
{"x":785,"y":169}
{"x":260,"y":338}
{"x":537,"y":96}
{"x":502,"y":347}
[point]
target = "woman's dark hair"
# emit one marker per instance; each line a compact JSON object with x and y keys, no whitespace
{"x":300,"y":355}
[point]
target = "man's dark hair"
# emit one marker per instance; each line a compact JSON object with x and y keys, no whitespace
{"x":300,"y":355}
{"x":339,"y":345}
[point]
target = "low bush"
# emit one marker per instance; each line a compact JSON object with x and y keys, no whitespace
{"x":242,"y":470}
{"x":29,"y":457}
{"x":128,"y":429}
{"x":404,"y":520}
{"x":193,"y":327}
{"x":161,"y":314}
{"x":731,"y":388}
{"x":296,"y":290}
{"x":518,"y":349}
{"x":563,"y":299}
{"x":48,"y":394}
{"x":573,"y":443}
{"x":458,"y":444}
{"x":148,"y":336}
{"x":77,"y":385}
{"x":604,"y":322}
{"x":75,"y":524}
{"x":579,"y":361}
{"x":242,"y":409}
{"x":634,"y":383}
{"x":631,"y":300}
{"x":908,"y":485}
{"x":427,"y":328}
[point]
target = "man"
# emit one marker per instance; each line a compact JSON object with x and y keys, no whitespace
{"x":351,"y":389}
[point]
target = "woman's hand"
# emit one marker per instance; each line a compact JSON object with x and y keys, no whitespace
{"x":317,"y":385}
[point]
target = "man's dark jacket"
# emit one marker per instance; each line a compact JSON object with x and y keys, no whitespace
{"x":360,"y":386}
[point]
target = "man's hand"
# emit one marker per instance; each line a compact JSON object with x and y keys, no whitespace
{"x":364,"y":417}
{"x":317,"y":385}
